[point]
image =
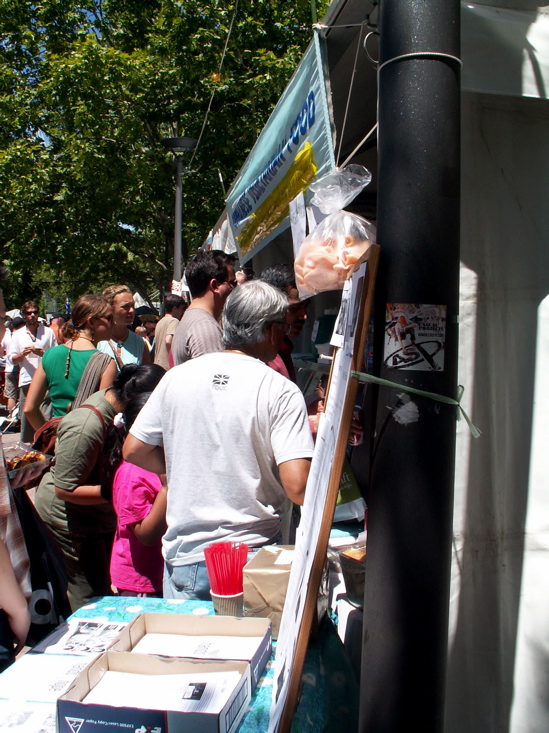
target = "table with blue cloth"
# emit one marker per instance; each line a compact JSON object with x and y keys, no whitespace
{"x":329,"y":689}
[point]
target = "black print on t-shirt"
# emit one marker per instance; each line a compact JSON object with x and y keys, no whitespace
{"x":220,"y":381}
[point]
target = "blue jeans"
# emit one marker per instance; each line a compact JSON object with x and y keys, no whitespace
{"x":191,"y":582}
{"x":187,"y":581}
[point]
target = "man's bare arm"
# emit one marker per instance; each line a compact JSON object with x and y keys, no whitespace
{"x":293,"y":477}
{"x":147,"y":456}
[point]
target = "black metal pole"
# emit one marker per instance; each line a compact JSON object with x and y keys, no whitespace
{"x":177,"y":248}
{"x":411,"y":493}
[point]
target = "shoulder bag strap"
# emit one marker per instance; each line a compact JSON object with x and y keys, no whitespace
{"x":99,"y":415}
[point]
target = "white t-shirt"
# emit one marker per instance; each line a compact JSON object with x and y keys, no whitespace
{"x":6,"y":341}
{"x":45,"y":339}
{"x":226,"y":422}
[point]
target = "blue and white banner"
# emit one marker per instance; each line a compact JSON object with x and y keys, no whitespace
{"x":295,"y":146}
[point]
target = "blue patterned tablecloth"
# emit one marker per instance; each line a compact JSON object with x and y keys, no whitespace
{"x":329,"y":689}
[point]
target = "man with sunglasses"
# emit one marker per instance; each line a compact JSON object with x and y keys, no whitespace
{"x":211,"y":278}
{"x":282,"y":277}
{"x":26,"y":349}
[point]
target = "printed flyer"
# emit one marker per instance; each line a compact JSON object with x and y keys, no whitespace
{"x":414,"y":337}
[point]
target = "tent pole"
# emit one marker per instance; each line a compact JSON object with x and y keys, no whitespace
{"x":411,"y":493}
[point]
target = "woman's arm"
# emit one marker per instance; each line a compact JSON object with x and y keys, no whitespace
{"x":144,"y":455}
{"x":146,"y":358}
{"x":108,"y":376}
{"x":35,"y":397}
{"x":12,"y":600}
{"x":153,"y":527}
{"x":82,"y":495}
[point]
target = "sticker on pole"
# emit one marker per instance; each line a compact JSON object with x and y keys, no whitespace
{"x":414,"y":337}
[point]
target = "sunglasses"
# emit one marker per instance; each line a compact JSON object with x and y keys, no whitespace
{"x":31,"y":313}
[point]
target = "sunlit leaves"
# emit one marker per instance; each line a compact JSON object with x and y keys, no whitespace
{"x":87,"y":91}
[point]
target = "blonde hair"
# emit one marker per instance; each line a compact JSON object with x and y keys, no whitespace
{"x":112,"y":291}
{"x":88,"y":306}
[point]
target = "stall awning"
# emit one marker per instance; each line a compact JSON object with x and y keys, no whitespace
{"x":295,"y":146}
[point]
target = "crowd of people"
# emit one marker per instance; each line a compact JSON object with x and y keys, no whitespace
{"x":191,"y":433}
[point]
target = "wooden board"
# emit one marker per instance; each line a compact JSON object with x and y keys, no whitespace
{"x":321,"y":547}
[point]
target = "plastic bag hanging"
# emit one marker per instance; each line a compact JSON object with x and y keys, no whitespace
{"x":327,"y":257}
{"x":337,"y":189}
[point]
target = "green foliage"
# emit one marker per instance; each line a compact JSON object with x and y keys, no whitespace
{"x":87,"y":91}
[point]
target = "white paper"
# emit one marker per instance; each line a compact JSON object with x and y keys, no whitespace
{"x":201,"y":647}
{"x":81,"y":637}
{"x":187,"y":693}
{"x":298,"y":220}
{"x":40,"y":677}
{"x":286,"y":557}
{"x":17,"y":717}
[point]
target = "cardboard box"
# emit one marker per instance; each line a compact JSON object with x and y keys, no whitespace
{"x":240,"y":639}
{"x":75,"y":714}
{"x":266,"y":579}
{"x":40,"y":678}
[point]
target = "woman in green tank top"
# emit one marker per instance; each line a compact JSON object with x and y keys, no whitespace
{"x":62,"y":367}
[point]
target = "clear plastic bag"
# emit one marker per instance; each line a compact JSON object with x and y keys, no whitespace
{"x":337,"y":189}
{"x":328,"y":255}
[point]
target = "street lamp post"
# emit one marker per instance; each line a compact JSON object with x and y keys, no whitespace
{"x":178,"y":146}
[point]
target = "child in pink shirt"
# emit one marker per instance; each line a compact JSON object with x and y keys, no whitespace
{"x":139,"y":500}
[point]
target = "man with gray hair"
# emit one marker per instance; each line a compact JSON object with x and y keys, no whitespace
{"x":233,"y":438}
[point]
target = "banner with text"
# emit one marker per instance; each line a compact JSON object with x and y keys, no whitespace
{"x":295,"y":146}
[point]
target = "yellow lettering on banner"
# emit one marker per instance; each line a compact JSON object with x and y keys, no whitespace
{"x":275,"y":208}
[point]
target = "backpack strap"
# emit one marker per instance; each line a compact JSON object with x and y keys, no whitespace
{"x":99,"y":415}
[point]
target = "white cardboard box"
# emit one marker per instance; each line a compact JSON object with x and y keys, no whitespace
{"x":75,"y":714}
{"x":200,"y":637}
{"x":40,"y":677}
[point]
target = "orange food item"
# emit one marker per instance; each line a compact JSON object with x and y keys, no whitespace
{"x":328,"y":255}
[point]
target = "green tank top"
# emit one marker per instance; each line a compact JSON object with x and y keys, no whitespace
{"x":63,"y":389}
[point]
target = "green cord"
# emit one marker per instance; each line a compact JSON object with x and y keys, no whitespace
{"x":363,"y":377}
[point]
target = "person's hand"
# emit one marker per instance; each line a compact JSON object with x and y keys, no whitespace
{"x":27,"y":350}
{"x":314,"y":412}
{"x":356,"y":433}
{"x":38,"y":350}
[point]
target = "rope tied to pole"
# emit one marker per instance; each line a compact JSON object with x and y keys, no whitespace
{"x":475,"y":432}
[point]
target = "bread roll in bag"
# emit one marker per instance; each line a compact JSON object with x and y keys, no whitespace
{"x":328,"y":255}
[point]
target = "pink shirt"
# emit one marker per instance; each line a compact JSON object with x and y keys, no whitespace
{"x":134,"y":566}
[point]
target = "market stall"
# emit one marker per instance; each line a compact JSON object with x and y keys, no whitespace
{"x":496,"y":673}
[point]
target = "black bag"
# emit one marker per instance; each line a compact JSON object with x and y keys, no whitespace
{"x":49,"y":604}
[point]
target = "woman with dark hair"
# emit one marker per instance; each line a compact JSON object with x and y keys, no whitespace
{"x":139,"y":500}
{"x":70,"y":500}
{"x":62,"y":367}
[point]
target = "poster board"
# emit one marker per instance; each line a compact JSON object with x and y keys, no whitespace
{"x":321,"y":493}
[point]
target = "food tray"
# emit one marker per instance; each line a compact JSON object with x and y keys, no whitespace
{"x":29,"y":471}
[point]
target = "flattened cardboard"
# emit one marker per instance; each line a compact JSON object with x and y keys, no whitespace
{"x":75,"y":716}
{"x":164,"y":623}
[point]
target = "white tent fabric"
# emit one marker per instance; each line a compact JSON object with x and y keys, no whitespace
{"x":498,"y":665}
{"x":505,"y":51}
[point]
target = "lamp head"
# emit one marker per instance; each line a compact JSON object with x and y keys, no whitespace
{"x":178,"y":145}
